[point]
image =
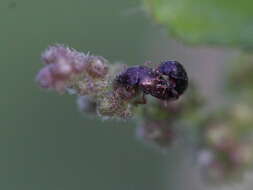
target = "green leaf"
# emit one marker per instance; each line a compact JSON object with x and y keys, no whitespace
{"x":219,"y":22}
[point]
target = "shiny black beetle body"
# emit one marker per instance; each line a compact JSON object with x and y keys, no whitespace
{"x":166,"y":82}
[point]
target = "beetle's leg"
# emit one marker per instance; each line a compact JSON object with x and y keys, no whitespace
{"x":143,"y":100}
{"x":175,"y":94}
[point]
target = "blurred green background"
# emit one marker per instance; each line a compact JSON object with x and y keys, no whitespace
{"x":45,"y":142}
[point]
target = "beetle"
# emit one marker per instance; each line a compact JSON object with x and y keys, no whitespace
{"x":166,"y":82}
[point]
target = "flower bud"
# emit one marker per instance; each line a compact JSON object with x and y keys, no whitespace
{"x":97,"y":67}
{"x":87,"y":104}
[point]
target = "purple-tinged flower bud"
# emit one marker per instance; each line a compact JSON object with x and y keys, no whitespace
{"x":97,"y":67}
{"x":62,"y":64}
{"x":68,"y":69}
{"x":56,"y":53}
{"x":44,"y":78}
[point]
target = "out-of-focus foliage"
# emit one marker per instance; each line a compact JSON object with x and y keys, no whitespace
{"x":226,"y":144}
{"x":240,"y":78}
{"x":226,"y":134}
{"x":219,"y":22}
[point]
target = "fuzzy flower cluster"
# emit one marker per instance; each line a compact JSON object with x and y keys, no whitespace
{"x":160,"y":120}
{"x":226,"y":148}
{"x":67,"y":69}
{"x":225,"y":152}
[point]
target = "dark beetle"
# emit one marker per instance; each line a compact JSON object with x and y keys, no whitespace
{"x":168,"y":81}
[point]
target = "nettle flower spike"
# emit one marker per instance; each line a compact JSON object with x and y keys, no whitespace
{"x":68,"y":69}
{"x":112,"y":92}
